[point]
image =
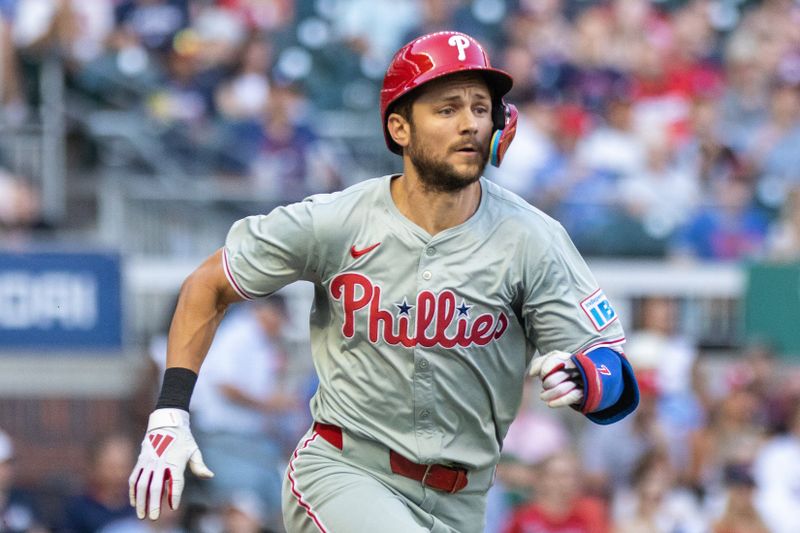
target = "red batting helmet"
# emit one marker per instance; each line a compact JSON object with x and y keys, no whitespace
{"x":438,"y":54}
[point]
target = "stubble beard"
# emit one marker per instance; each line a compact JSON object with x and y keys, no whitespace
{"x":437,"y":175}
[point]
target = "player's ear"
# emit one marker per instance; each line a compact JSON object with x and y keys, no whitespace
{"x":399,"y":128}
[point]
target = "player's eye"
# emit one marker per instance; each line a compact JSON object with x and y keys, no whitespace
{"x":446,"y":111}
{"x":481,"y":110}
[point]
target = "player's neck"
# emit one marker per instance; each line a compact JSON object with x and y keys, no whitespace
{"x":434,"y":211}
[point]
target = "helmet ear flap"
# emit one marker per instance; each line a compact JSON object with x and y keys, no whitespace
{"x":504,"y":134}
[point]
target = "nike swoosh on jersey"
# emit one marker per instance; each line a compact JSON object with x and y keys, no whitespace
{"x":358,"y":253}
{"x":604,"y":370}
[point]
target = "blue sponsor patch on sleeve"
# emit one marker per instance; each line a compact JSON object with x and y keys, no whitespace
{"x":599,"y":310}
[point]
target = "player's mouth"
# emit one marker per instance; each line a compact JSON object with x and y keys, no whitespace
{"x":467,"y":148}
{"x":470,"y":149}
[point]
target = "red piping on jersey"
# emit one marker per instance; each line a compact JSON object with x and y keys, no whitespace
{"x":304,"y":504}
{"x":229,"y":275}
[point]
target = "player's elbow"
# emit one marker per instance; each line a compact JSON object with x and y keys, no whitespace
{"x":208,"y":283}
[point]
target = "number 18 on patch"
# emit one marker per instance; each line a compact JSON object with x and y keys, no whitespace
{"x":599,"y":310}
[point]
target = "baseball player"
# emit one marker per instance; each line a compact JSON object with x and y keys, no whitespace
{"x":433,"y":290}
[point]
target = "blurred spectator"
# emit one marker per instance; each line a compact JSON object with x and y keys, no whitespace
{"x":744,"y":99}
{"x":783,"y":239}
{"x":78,"y":29}
{"x":435,"y":15}
{"x":558,"y":505}
{"x":610,"y":455}
{"x":589,"y":205}
{"x":122,"y":75}
{"x":185,"y":99}
{"x":222,"y":33}
{"x":656,"y":504}
{"x":592,"y":78}
{"x":105,"y":496}
{"x":759,"y":371}
{"x":520,"y":63}
{"x":261,"y":15}
{"x":374,"y":27}
{"x":658,"y":350}
{"x":732,"y":228}
{"x":665,"y":83}
{"x":777,"y":473}
{"x":702,"y":151}
{"x":20,"y":206}
{"x":539,"y":49}
{"x":245,"y":95}
{"x":661,"y":197}
{"x":18,"y":513}
{"x":513,"y":487}
{"x":12,"y":104}
{"x":243,"y":514}
{"x":155,"y":22}
{"x":245,"y":421}
{"x":740,"y":515}
{"x":772,"y":150}
{"x":291,"y":160}
{"x":614,"y":148}
{"x":732,"y":436}
{"x":184,"y":104}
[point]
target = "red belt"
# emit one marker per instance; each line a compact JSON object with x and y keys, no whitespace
{"x":440,"y":477}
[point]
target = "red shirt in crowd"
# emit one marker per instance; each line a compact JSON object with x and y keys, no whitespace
{"x":587,"y":515}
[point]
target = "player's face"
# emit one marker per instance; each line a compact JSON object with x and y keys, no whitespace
{"x":450,"y":132}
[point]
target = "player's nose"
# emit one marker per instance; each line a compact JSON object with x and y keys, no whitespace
{"x":468,"y":122}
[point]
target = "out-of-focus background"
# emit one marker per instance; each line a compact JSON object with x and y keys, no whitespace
{"x":664,"y":135}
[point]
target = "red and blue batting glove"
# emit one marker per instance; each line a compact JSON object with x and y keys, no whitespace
{"x":599,"y":384}
{"x":166,"y":449}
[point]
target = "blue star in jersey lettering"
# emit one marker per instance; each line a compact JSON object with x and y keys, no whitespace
{"x":404,"y":307}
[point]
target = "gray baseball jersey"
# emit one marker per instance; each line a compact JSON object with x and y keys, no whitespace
{"x":421,"y":342}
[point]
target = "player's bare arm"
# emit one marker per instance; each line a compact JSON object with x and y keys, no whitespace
{"x":168,"y":445}
{"x":204,"y":298}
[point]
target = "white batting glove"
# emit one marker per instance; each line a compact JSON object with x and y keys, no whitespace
{"x":167,"y":446}
{"x":561,"y":380}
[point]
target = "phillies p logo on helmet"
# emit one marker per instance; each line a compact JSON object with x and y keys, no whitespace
{"x":460,"y":42}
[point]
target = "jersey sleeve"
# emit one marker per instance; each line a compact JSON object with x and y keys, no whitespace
{"x":263,"y":253}
{"x":564,"y":308}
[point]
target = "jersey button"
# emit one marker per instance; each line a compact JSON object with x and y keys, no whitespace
{"x":431,"y":251}
{"x":424,"y":414}
{"x":427,"y":275}
{"x":423,"y":364}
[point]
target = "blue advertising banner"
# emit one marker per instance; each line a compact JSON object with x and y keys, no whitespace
{"x":61,"y":301}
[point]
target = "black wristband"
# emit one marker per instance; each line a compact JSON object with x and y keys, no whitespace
{"x":176,"y":391}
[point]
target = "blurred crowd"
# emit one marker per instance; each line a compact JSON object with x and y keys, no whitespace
{"x":648,"y":128}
